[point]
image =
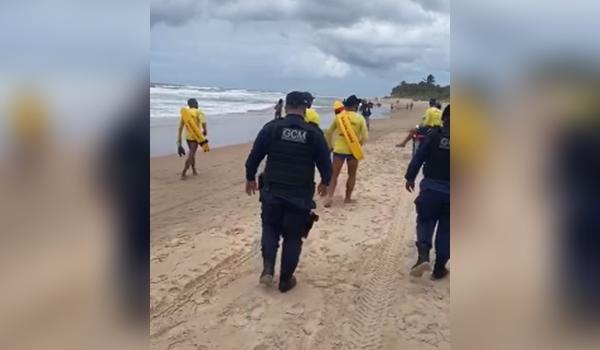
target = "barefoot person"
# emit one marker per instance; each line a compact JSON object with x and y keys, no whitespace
{"x":293,"y":148}
{"x":278,"y":108}
{"x":433,"y":202}
{"x":346,"y":143}
{"x":193,"y":120}
{"x":432,"y":118}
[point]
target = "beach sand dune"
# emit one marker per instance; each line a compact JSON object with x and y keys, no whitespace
{"x":354,"y":289}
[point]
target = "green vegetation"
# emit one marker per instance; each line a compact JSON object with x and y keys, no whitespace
{"x":423,"y":90}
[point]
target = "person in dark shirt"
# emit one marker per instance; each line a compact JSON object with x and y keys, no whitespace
{"x":433,"y":202}
{"x":293,"y":148}
{"x":365,"y":110}
{"x":278,"y":108}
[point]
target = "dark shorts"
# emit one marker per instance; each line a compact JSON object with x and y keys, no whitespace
{"x":192,"y":145}
{"x":343,"y":156}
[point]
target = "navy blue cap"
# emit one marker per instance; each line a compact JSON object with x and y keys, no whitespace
{"x":352,"y":100}
{"x":296,"y":99}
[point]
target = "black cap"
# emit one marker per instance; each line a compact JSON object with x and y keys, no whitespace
{"x":296,"y":99}
{"x":309,"y":96}
{"x":192,"y":103}
{"x":352,"y":100}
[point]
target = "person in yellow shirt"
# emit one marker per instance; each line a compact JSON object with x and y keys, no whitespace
{"x":432,"y":118}
{"x":311,"y":116}
{"x":191,"y":141}
{"x":341,"y":152}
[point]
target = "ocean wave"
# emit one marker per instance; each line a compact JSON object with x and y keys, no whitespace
{"x":167,"y":99}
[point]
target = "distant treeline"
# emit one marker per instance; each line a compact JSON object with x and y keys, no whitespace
{"x":423,"y":90}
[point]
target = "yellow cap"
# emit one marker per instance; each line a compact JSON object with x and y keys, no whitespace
{"x":338,"y":106}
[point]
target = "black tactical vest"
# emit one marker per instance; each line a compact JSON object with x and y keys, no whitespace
{"x":437,"y":164}
{"x":290,"y":169}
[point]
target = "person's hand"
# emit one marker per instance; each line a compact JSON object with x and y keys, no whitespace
{"x":251,"y":187}
{"x":205,"y":133}
{"x":409,"y":185}
{"x":322,"y":189}
{"x":205,"y":147}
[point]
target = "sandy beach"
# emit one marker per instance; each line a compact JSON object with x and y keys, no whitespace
{"x":354,"y":290}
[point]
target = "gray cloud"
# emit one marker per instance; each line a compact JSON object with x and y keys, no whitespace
{"x":311,"y":39}
{"x":174,"y":12}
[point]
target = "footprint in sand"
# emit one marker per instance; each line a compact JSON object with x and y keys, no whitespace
{"x":296,"y":309}
{"x":234,"y":231}
{"x":257,"y":313}
{"x":174,"y":290}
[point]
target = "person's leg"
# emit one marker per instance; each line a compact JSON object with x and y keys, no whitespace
{"x":442,"y":240}
{"x":294,"y":220}
{"x":271,"y":217}
{"x":352,"y":169}
{"x":193,"y":150}
{"x":192,"y":145}
{"x":408,"y":138}
{"x":426,"y":206}
{"x":338,"y":163}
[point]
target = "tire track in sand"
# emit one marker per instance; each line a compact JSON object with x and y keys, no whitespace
{"x":377,"y":294}
{"x":208,"y":281}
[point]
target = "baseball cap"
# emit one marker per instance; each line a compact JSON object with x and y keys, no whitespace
{"x":309,"y":96}
{"x":296,"y":99}
{"x":352,"y":100}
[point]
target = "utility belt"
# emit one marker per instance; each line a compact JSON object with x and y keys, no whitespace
{"x":312,"y":216}
{"x":283,"y":189}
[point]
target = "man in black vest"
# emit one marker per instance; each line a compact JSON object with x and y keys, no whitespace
{"x":293,"y":148}
{"x":433,"y":202}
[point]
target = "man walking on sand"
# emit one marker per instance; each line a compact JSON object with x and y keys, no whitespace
{"x":342,"y":153}
{"x":293,"y":147}
{"x":433,"y":202}
{"x":196,"y":131}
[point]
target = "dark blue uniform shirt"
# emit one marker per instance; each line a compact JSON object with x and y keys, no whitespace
{"x":439,"y":164}
{"x":261,"y":148}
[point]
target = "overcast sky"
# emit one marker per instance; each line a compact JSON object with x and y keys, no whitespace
{"x":333,"y":47}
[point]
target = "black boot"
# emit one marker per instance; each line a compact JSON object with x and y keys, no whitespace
{"x":287,"y":284}
{"x":439,"y":271}
{"x":266,"y":277}
{"x":422,"y":264}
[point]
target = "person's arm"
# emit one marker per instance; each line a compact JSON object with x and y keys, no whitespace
{"x":203,"y":122}
{"x":258,"y":153}
{"x":322,"y":160}
{"x":330,"y":131}
{"x":181,"y":124}
{"x":364,"y":132}
{"x":418,"y":159}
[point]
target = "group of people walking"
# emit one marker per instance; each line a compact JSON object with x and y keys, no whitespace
{"x":294,"y":145}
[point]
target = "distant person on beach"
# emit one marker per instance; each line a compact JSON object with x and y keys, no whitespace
{"x":365,"y":110}
{"x":342,"y":152}
{"x":293,"y":148}
{"x":411,"y":106}
{"x":278,"y":109}
{"x":193,"y":141}
{"x":432,"y":118}
{"x":433,"y":202}
{"x":311,"y":115}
